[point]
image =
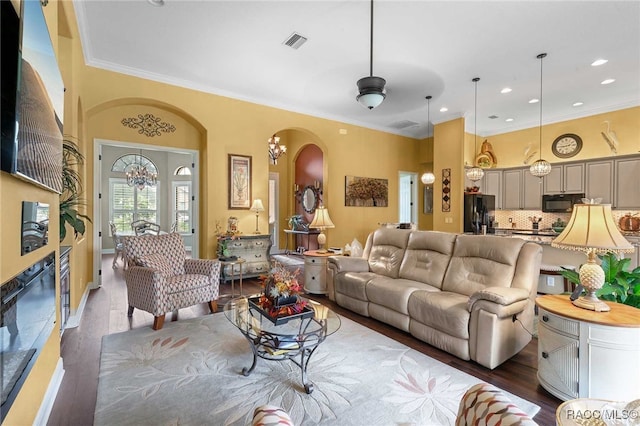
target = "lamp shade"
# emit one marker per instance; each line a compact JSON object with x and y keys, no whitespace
{"x":257,"y":206}
{"x":321,"y":220}
{"x":592,"y":228}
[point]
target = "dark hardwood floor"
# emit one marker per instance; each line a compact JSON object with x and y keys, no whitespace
{"x":106,"y":313}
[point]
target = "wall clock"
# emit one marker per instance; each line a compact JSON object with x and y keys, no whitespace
{"x":567,"y":145}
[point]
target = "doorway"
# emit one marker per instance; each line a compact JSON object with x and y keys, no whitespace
{"x":408,"y":197}
{"x":173,"y":201}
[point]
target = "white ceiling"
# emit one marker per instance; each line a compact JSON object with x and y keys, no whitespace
{"x":235,"y":49}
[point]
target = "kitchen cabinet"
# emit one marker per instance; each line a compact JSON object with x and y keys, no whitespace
{"x":521,"y":190}
{"x":492,"y":185}
{"x":599,"y":180}
{"x":565,"y":178}
{"x":627,"y":190}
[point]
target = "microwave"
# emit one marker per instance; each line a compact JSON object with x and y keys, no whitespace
{"x":560,"y":203}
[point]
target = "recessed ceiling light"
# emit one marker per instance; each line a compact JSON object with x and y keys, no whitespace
{"x":578,"y":104}
{"x":534,"y":101}
{"x":506,"y":90}
{"x":444,"y":109}
{"x":157,"y":3}
{"x":509,"y":120}
{"x":608,"y":81}
{"x":599,"y":62}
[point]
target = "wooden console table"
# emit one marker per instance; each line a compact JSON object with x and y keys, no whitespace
{"x":295,"y":234}
{"x":588,"y":354}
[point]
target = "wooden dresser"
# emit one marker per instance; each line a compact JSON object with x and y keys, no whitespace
{"x":254,"y":249}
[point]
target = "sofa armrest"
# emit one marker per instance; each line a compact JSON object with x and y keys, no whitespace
{"x":503,"y":301}
{"x":208,"y":267}
{"x":348,"y":264}
{"x":500,"y":295}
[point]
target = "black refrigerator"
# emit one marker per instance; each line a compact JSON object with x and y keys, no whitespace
{"x":479,"y":211}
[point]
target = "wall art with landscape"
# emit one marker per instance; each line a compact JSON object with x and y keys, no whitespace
{"x":366,"y":192}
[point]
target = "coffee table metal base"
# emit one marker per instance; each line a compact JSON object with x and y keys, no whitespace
{"x":304,"y":354}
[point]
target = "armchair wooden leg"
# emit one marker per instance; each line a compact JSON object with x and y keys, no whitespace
{"x":158,"y":322}
{"x":130,"y":311}
{"x":213,"y":305}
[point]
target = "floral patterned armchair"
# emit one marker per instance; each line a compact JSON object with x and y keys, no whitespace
{"x":160,"y":278}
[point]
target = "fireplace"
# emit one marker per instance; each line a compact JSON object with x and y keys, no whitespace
{"x":27,"y":318}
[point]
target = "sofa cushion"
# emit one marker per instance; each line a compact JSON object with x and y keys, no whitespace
{"x":481,"y":261}
{"x":353,"y":284}
{"x":387,"y":251}
{"x":442,"y":311}
{"x":394,"y":293}
{"x":427,"y":257}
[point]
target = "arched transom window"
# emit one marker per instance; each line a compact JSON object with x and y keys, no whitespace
{"x":127,"y":161}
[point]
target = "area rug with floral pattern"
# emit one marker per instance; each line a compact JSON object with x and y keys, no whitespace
{"x":189,"y":373}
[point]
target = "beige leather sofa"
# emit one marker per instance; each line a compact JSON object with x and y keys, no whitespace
{"x":470,"y":295}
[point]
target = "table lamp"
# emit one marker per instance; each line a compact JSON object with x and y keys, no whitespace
{"x":257,"y":207}
{"x":592,"y":230}
{"x":321,"y":221}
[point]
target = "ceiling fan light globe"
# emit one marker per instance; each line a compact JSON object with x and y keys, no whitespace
{"x":371,"y":91}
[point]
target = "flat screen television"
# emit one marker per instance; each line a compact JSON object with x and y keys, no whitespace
{"x":32,"y":135}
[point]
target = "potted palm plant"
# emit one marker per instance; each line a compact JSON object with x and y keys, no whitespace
{"x":70,"y":198}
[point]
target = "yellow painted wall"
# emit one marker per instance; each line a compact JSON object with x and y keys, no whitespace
{"x":448,"y":153}
{"x":425,"y":158}
{"x":12,"y":192}
{"x":509,"y":147}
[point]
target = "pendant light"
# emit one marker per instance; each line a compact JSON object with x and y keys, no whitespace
{"x":428,"y":178}
{"x":540,"y":167}
{"x":475,"y":173}
{"x":371,"y":89}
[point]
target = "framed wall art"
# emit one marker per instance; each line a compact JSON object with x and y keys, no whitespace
{"x":239,"y":182}
{"x":366,"y":192}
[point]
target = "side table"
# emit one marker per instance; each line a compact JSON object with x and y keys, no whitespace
{"x":315,"y":272}
{"x":232,"y":267}
{"x":588,"y":354}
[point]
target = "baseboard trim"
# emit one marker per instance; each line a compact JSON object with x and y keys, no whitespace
{"x":50,"y":396}
{"x":74,"y":319}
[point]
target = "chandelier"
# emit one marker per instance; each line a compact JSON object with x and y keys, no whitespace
{"x":139,"y":175}
{"x":475,"y":173}
{"x":275,"y":149}
{"x":540,"y":167}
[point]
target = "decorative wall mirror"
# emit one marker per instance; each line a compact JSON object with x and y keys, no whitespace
{"x":310,"y":198}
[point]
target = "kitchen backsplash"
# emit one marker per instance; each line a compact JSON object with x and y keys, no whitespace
{"x":521,"y":218}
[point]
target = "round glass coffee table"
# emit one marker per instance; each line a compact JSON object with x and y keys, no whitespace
{"x":294,"y":338}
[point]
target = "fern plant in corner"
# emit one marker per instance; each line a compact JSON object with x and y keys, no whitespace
{"x":70,"y":198}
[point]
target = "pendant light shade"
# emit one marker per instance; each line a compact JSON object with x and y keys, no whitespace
{"x":540,"y":167}
{"x":475,"y":173}
{"x":371,"y":88}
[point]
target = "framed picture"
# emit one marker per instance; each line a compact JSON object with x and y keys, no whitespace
{"x":366,"y":192}
{"x":239,"y":182}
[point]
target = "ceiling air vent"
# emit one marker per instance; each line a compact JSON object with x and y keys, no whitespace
{"x":403,"y":124}
{"x":295,"y":40}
